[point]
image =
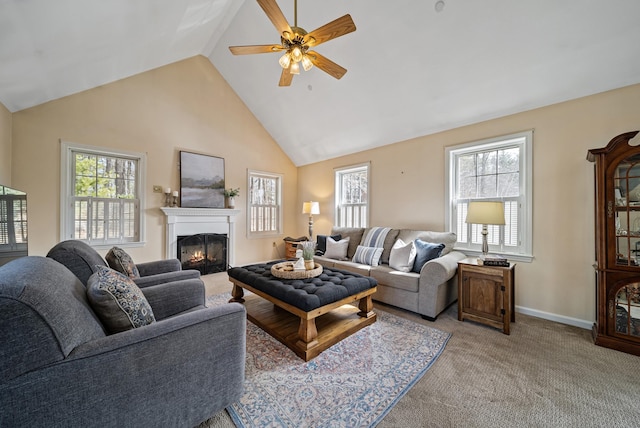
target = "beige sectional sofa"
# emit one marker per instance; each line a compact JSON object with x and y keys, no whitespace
{"x":427,"y":293}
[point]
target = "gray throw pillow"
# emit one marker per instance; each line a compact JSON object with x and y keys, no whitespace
{"x":118,"y":301}
{"x":119,"y":260}
{"x":337,"y":250}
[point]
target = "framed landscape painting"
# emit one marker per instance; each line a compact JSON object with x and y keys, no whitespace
{"x":201,"y":181}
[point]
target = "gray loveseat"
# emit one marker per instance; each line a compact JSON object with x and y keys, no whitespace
{"x":427,"y":293}
{"x":60,"y":368}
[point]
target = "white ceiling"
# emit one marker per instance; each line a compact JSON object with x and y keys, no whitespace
{"x":412,"y":71}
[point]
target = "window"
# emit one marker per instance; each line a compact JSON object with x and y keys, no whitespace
{"x":497,"y":169}
{"x":352,"y":196}
{"x":13,"y":221}
{"x":264,"y":204}
{"x":101,"y":195}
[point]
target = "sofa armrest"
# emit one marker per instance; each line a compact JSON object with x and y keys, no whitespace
{"x":175,"y":297}
{"x":159,"y":266}
{"x":161,"y":278}
{"x":440,"y":270}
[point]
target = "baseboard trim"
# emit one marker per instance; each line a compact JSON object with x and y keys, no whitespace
{"x":555,"y":317}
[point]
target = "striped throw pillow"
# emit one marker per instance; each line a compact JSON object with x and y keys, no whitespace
{"x":375,"y":237}
{"x":367,"y":255}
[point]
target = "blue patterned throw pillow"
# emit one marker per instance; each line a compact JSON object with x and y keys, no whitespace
{"x":118,"y":301}
{"x":367,"y":255}
{"x":119,"y":260}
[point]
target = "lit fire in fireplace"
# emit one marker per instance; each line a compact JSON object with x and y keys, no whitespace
{"x":196,"y":257}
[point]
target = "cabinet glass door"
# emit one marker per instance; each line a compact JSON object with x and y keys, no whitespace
{"x":625,"y":211}
{"x":627,"y":307}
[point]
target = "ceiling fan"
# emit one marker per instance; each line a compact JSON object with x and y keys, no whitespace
{"x":296,"y":43}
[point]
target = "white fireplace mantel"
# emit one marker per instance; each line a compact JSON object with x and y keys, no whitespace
{"x":191,"y":221}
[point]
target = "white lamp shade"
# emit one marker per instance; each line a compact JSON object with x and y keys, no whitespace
{"x":311,"y":208}
{"x":485,"y":212}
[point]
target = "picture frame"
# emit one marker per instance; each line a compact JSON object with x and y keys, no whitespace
{"x":202,"y":181}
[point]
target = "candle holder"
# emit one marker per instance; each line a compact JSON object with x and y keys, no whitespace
{"x":174,"y":203}
{"x":168,"y":199}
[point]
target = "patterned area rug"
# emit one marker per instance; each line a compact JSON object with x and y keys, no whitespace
{"x":352,"y":384}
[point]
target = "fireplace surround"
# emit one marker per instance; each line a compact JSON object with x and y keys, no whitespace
{"x":193,"y":221}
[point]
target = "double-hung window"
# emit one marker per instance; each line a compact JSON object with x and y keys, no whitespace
{"x":498,"y":169}
{"x":352,"y":196}
{"x":101,"y":194}
{"x":264,"y":204}
{"x":13,"y":221}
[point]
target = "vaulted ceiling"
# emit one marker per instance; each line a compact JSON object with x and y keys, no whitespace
{"x":415,"y":67}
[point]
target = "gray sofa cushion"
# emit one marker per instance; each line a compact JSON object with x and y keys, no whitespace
{"x":408,"y":281}
{"x":446,"y":238}
{"x":78,"y":257}
{"x":118,"y":301}
{"x":353,"y":233}
{"x":388,"y":244}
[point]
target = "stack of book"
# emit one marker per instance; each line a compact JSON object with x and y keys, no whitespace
{"x":495,"y":261}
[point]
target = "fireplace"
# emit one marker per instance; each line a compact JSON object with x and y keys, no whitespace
{"x":183,"y":222}
{"x":206,"y":252}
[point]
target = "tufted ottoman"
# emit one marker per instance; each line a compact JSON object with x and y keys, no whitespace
{"x":307,"y":315}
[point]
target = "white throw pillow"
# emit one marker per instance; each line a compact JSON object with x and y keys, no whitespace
{"x":337,"y":250}
{"x":402,"y":256}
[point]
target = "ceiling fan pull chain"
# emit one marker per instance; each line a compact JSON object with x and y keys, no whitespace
{"x":295,"y":13}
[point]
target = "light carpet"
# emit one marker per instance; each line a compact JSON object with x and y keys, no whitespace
{"x":352,"y":384}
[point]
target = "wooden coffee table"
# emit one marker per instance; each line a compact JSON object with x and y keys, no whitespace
{"x":306,"y":333}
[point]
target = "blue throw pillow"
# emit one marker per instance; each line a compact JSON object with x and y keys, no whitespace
{"x":425,"y":251}
{"x":321,"y":243}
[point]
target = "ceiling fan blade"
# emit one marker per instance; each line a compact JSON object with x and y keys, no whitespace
{"x":333,"y":29}
{"x":254,"y":49}
{"x":326,"y":65}
{"x":285,"y":78}
{"x":276,"y":16}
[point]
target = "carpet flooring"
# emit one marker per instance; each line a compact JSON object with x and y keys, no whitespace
{"x":354,"y":383}
{"x":544,"y":374}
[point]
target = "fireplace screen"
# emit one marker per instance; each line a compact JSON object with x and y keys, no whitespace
{"x":206,"y":252}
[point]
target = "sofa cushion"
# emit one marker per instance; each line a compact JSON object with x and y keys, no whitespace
{"x":425,"y":251}
{"x":402,"y":256}
{"x":337,"y":250}
{"x":118,"y":301}
{"x":447,"y":238}
{"x":390,"y":277}
{"x":374,"y":237}
{"x":321,"y":243}
{"x":353,"y":233}
{"x":388,"y":244}
{"x":367,"y":255}
{"x":119,"y":260}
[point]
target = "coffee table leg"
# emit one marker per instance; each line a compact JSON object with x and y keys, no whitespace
{"x":366,"y":307}
{"x":237,"y":294}
{"x":307,"y":333}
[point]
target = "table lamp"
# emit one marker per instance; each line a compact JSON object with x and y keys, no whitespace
{"x":311,"y":208}
{"x":484,"y":213}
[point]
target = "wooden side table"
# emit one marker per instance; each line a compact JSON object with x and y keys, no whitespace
{"x":486,"y":294}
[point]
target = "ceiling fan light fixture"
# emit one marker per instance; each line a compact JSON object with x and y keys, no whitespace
{"x":306,"y":63}
{"x":285,"y":60}
{"x":295,"y":68}
{"x":296,"y":54}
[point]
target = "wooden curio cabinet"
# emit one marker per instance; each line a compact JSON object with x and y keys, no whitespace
{"x":617,"y":215}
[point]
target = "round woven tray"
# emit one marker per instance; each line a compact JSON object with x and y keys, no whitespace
{"x":285,"y":270}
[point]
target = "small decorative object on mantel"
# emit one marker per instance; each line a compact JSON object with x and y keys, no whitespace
{"x":175,"y":198}
{"x":230,"y":195}
{"x":167,"y":197}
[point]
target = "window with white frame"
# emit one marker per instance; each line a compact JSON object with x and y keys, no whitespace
{"x":497,"y":169}
{"x":264,"y":204}
{"x":101,"y":194}
{"x":352,"y":196}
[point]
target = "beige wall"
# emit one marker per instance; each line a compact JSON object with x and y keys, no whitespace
{"x":182,"y":106}
{"x":408,"y":190}
{"x":5,"y":145}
